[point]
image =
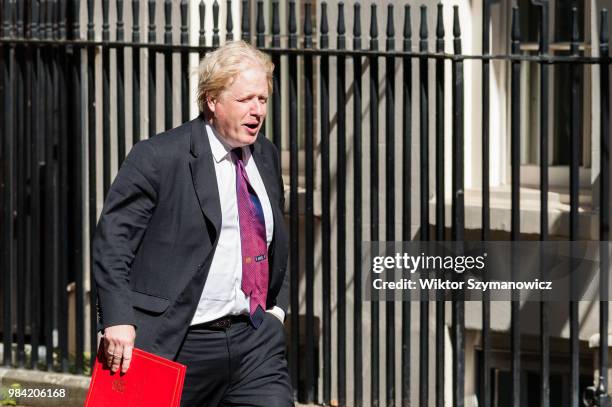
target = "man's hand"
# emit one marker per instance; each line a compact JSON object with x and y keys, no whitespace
{"x":278,"y":313}
{"x":118,"y":345}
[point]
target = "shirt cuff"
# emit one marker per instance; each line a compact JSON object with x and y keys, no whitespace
{"x":277,"y":312}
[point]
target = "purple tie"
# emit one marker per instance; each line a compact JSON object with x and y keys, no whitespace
{"x":253,"y":243}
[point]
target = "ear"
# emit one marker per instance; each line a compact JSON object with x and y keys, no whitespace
{"x":211,"y":103}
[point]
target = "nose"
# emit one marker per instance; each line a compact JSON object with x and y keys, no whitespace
{"x":257,"y":108}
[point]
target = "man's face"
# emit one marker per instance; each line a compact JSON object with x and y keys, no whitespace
{"x":239,"y":111}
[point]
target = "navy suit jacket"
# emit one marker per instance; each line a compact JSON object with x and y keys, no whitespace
{"x":159,"y":229}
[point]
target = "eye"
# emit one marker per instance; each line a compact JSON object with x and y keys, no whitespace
{"x":263,"y":99}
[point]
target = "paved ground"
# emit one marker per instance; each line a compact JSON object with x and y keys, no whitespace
{"x":75,"y":387}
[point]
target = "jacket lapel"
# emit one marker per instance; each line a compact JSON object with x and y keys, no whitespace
{"x":204,"y":176}
{"x":270,"y":180}
{"x":268,"y":176}
{"x":278,"y":249}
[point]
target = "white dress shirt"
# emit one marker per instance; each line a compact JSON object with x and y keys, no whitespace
{"x":222,"y":294}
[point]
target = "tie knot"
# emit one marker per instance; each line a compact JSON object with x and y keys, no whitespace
{"x":238,"y":153}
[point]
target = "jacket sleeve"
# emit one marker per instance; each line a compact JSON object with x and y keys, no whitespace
{"x":129,"y":205}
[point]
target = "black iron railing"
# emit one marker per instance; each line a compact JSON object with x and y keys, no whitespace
{"x":50,"y":195}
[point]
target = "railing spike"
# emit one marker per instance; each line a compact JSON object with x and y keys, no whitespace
{"x":30,"y":23}
{"x":184,"y":22}
{"x":292,"y":25}
{"x":120,"y":24}
{"x":373,"y":28}
{"x":574,"y":25}
{"x":20,"y":19}
{"x":152,"y":21}
{"x":136,"y":20}
{"x":105,"y":24}
{"x":516,"y":25}
{"x":35,"y":15}
{"x":324,"y":26}
{"x":76,"y":11}
{"x":6,"y":25}
{"x":62,"y":17}
{"x":168,"y":20}
{"x":90,"y":19}
{"x":357,"y":25}
{"x":390,"y":28}
{"x":215,"y":41}
{"x":341,"y":26}
{"x":246,"y":21}
{"x":456,"y":23}
{"x":275,"y":24}
{"x":308,"y":25}
{"x":42,"y":19}
{"x":457,"y":30}
{"x":229,"y":23}
{"x":440,"y":22}
{"x":50,"y":14}
{"x":407,"y":28}
{"x":603,"y":27}
{"x":56,"y":19}
{"x":261,"y":25}
{"x":202,"y":15}
{"x":48,"y":34}
{"x":423,"y":32}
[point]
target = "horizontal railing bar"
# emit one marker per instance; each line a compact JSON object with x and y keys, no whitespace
{"x":549,"y":59}
{"x":505,"y":351}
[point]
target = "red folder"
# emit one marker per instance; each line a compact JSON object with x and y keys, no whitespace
{"x":151,"y":381}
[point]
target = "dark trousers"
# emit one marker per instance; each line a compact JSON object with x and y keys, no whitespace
{"x":236,"y":366}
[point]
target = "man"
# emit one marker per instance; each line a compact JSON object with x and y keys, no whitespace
{"x":190,"y":252}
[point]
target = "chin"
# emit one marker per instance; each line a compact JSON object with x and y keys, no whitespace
{"x":249,"y":139}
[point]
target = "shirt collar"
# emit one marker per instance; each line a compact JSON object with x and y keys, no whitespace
{"x":220,"y":150}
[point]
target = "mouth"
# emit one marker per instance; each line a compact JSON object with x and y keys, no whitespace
{"x":251,"y":127}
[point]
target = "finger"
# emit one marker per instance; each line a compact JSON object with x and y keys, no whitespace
{"x":108,"y":346}
{"x":127,"y":358}
{"x":106,"y":341}
{"x":110,"y":351}
{"x":116,"y":361}
{"x":111,"y":360}
{"x":117,"y":358}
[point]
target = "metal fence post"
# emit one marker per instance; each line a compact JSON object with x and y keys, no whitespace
{"x":458,"y":212}
{"x":374,"y":216}
{"x":424,"y":205}
{"x":406,"y":196}
{"x":357,"y":214}
{"x":515,"y":162}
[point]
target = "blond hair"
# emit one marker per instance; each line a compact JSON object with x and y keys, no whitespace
{"x":218,"y":69}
